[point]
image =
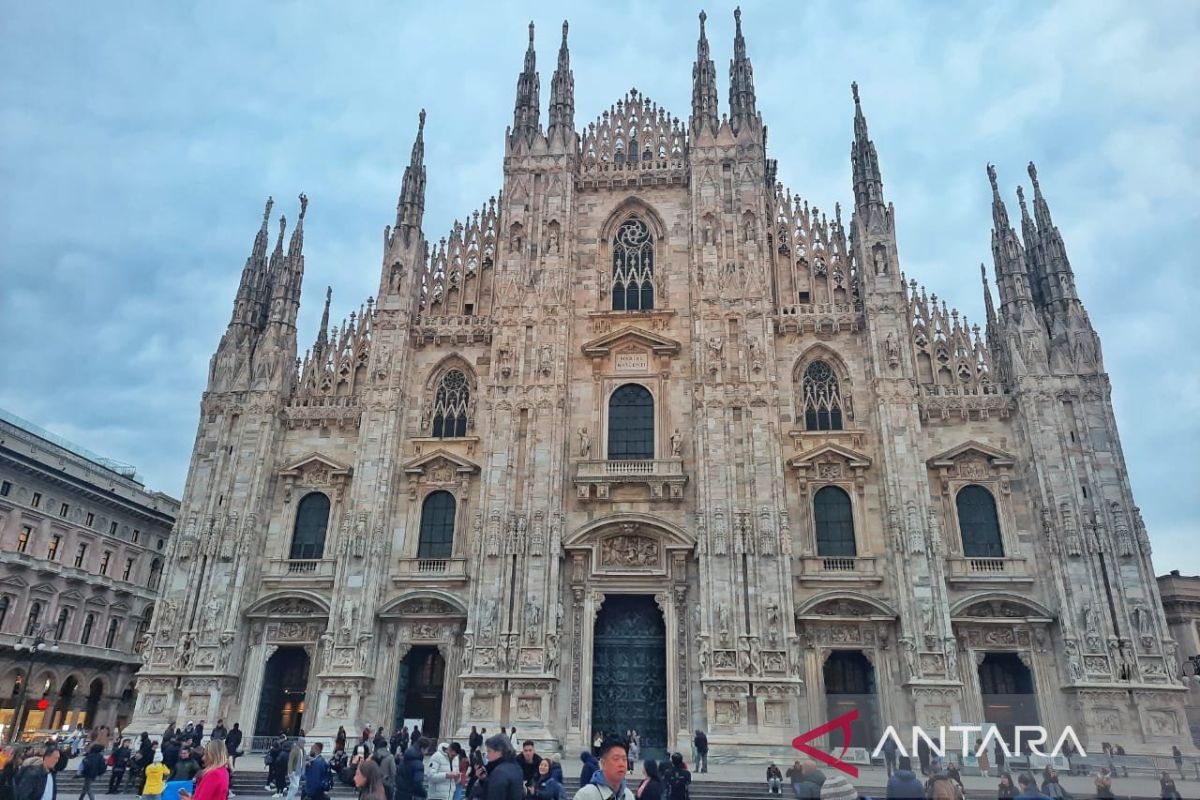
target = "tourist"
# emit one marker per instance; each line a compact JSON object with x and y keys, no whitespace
{"x":1050,"y":785}
{"x":317,"y":775}
{"x":1177,"y":757}
{"x":410,"y":779}
{"x":213,"y":781}
{"x":547,"y":785}
{"x":941,"y":787}
{"x":1103,"y":783}
{"x":609,"y":781}
{"x":984,"y":767}
{"x":1028,"y":786}
{"x":811,"y":780}
{"x":198,"y":734}
{"x":295,"y":770}
{"x":590,"y":765}
{"x":10,"y":762}
{"x":156,"y":778}
{"x":369,"y":781}
{"x":953,"y":774}
{"x":36,"y":778}
{"x":366,"y":737}
{"x":1006,"y":789}
{"x":701,"y":742}
{"x":475,"y":740}
{"x":278,"y":770}
{"x":923,"y":755}
{"x":440,"y":773}
{"x":651,"y":787}
{"x":775,"y":779}
{"x":459,"y":764}
{"x":903,"y":785}
{"x":1166,"y":788}
{"x":387,"y":769}
{"x":501,"y":777}
{"x":999,"y":752}
{"x":597,"y":740}
{"x":339,"y":740}
{"x":889,"y":755}
{"x":233,"y":744}
{"x":120,"y":762}
{"x":529,"y":761}
{"x":676,"y":779}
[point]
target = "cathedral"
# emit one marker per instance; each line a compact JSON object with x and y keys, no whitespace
{"x":650,"y":442}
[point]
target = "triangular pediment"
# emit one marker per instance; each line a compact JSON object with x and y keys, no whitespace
{"x":430,"y":461}
{"x":13,"y":582}
{"x":603,"y":345}
{"x":44,"y":588}
{"x":71,"y":596}
{"x":832,"y":452}
{"x":997,"y":458}
{"x":315,"y":459}
{"x":120,"y":607}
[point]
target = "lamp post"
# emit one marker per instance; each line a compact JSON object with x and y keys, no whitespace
{"x":39,"y":639}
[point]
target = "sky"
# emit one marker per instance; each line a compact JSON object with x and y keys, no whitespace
{"x":139,"y":141}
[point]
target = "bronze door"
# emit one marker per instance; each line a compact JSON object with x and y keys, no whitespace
{"x":629,"y":673}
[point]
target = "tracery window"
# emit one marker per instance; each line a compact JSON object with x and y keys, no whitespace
{"x":978,"y":523}
{"x":633,"y":267}
{"x":630,"y":423}
{"x":834,"y":523}
{"x":450,"y":405}
{"x":437,"y":526}
{"x":312,"y":522}
{"x":822,"y":398}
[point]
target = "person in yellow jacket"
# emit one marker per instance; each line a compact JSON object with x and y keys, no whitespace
{"x":156,"y":778}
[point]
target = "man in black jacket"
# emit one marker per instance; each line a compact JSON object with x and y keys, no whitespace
{"x":120,"y":759}
{"x":474,"y":741}
{"x":501,"y":779}
{"x":701,"y":743}
{"x":410,"y":777}
{"x":30,"y":783}
{"x":93,"y":767}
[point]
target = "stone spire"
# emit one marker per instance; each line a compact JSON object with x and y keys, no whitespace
{"x":1012,"y":278}
{"x":1033,"y":252}
{"x":323,"y":330}
{"x":868,"y":182}
{"x":704,"y":86}
{"x":288,"y":272}
{"x":248,"y":301}
{"x":1059,"y":276}
{"x":410,"y":209}
{"x":526,"y":121}
{"x":562,"y":92}
{"x":741,"y":80}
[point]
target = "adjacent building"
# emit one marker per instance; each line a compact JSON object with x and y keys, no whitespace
{"x":82,"y":553}
{"x":1181,"y":600}
{"x":649,"y":441}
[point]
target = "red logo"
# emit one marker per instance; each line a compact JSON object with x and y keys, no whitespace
{"x":841,"y":723}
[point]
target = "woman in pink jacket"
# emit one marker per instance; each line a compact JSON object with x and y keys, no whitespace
{"x":212,"y":783}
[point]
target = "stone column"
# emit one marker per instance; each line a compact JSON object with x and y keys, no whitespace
{"x":252,"y":683}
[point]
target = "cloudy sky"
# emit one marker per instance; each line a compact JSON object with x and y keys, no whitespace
{"x":138,"y":141}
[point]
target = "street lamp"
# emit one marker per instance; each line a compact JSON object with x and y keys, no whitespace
{"x":39,"y":639}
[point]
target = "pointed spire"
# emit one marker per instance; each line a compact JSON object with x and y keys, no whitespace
{"x":704,"y":86}
{"x":323,"y":330}
{"x":410,"y":209}
{"x":868,"y":182}
{"x":562,"y":92}
{"x":1034,"y":256}
{"x":254,"y":274}
{"x":1059,"y":275}
{"x":989,"y":309}
{"x":296,"y":246}
{"x":999,"y":212}
{"x":741,"y":80}
{"x":1012,"y":276}
{"x":526,"y":120}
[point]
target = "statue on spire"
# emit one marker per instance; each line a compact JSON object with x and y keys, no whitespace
{"x":704,"y":86}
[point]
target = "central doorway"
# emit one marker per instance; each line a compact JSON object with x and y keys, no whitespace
{"x":629,"y":670}
{"x":419,"y":690}
{"x":1009,"y":698}
{"x":850,"y":685}
{"x":281,"y":704}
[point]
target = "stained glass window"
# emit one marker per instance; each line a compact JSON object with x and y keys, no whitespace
{"x":834,"y":522}
{"x":633,"y":267}
{"x":450,"y":405}
{"x":630,"y":423}
{"x":822,"y":398}
{"x":312,"y":521}
{"x":437,"y":526}
{"x":978,"y":523}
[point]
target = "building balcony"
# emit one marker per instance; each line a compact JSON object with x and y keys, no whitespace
{"x":308,"y":572}
{"x":648,"y":479}
{"x":987,"y":570}
{"x":837,"y":569}
{"x":441,"y":570}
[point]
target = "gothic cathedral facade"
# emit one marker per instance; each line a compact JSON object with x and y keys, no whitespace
{"x":647,"y":441}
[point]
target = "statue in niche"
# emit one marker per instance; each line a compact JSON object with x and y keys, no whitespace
{"x":552,"y":652}
{"x":552,"y":243}
{"x":676,"y":443}
{"x":723,"y":622}
{"x":585,"y":443}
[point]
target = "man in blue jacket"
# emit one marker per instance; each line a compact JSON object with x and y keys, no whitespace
{"x":903,"y":785}
{"x":410,"y":777}
{"x":316,"y":774}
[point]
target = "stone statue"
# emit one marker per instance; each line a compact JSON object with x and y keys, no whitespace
{"x":585,"y":443}
{"x":723,"y":622}
{"x":551,"y":652}
{"x":676,"y":443}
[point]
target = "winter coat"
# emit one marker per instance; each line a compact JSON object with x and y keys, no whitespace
{"x":314,"y":776}
{"x":30,"y":783}
{"x":652,"y":791}
{"x":701,"y":742}
{"x":410,"y":780}
{"x":503,"y":782}
{"x":437,"y":784}
{"x":220,"y":733}
{"x":675,"y":782}
{"x":120,"y":757}
{"x":233,"y":740}
{"x":93,"y":763}
{"x":598,"y":789}
{"x":590,"y":765}
{"x":213,"y":785}
{"x":809,"y":786}
{"x":387,"y":766}
{"x":903,"y":785}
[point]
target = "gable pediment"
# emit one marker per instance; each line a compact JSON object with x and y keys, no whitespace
{"x":44,"y":588}
{"x":315,"y":462}
{"x":13,"y":582}
{"x":602,"y":346}
{"x":976,"y":450}
{"x":440,"y":460}
{"x":831,"y":453}
{"x":71,"y":596}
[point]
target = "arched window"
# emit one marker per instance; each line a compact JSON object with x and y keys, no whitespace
{"x":4,"y":604}
{"x":630,"y":423}
{"x":978,"y":523}
{"x":35,"y":613}
{"x":110,"y":639}
{"x":834,"y":522}
{"x":312,"y":521}
{"x":822,"y":398}
{"x":89,"y":622}
{"x":450,"y":405}
{"x":437,"y":526}
{"x":633,"y":267}
{"x":60,"y":627}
